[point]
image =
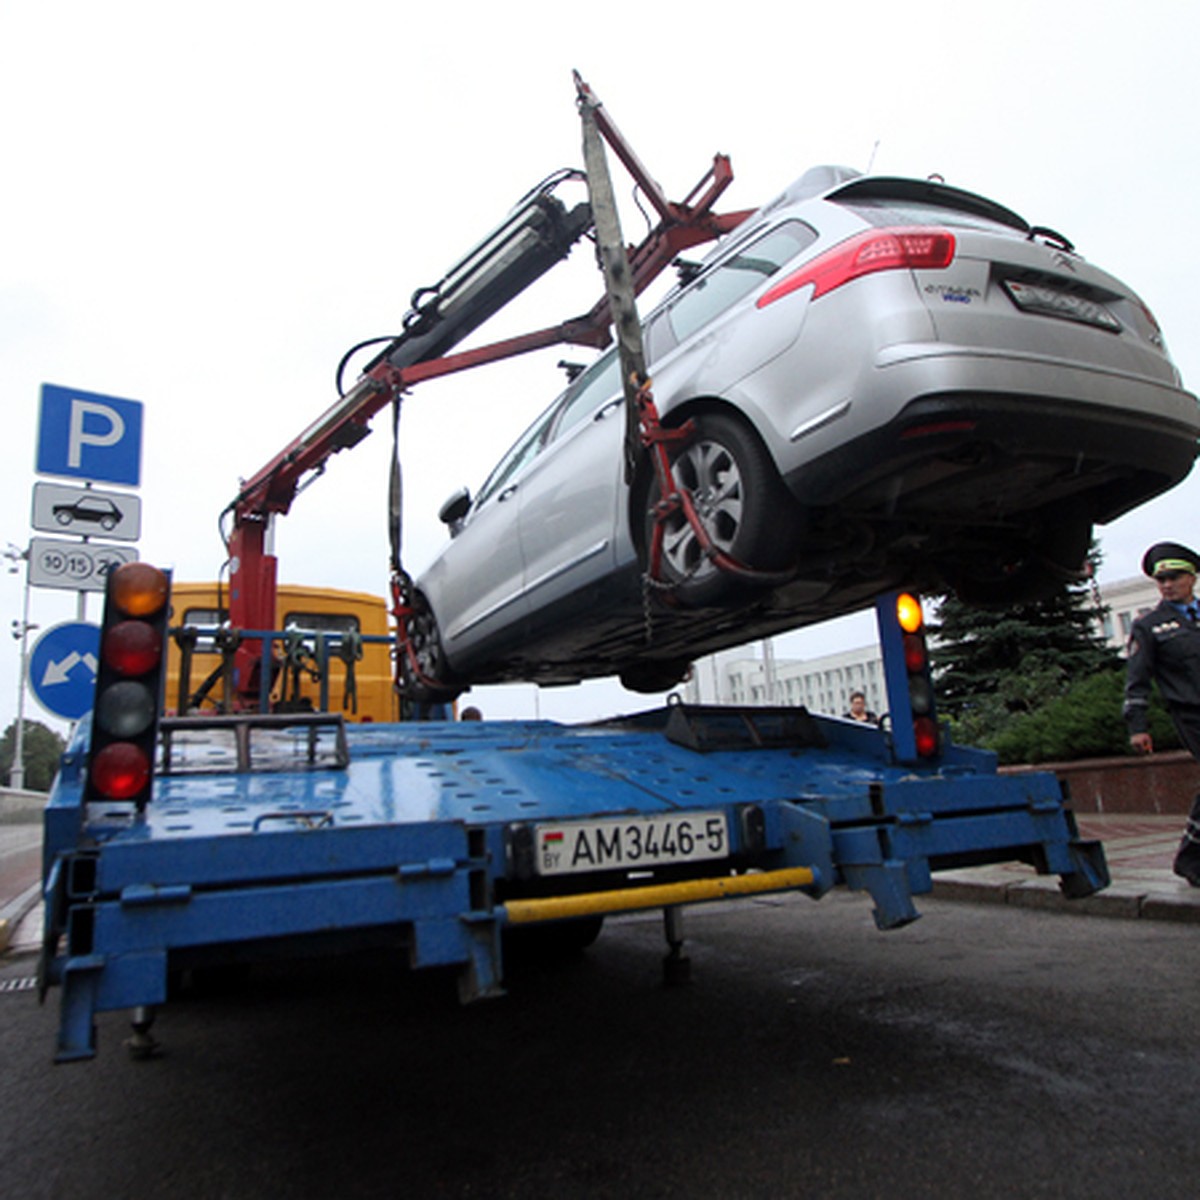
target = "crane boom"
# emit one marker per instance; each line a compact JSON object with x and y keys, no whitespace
{"x":538,"y":233}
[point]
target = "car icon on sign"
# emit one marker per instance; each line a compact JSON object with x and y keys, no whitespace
{"x":90,"y":509}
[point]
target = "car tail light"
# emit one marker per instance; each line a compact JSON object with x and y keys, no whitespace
{"x":129,"y":683}
{"x":875,"y":250}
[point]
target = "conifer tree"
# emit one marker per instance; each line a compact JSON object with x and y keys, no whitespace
{"x":992,"y":664}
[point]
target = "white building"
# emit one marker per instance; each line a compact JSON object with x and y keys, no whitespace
{"x":1126,"y":600}
{"x":823,"y":685}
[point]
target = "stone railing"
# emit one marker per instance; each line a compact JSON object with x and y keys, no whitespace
{"x":21,"y":806}
{"x":1162,"y":784}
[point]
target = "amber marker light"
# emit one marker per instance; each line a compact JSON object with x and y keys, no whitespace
{"x":908,"y":613}
{"x":138,"y":589}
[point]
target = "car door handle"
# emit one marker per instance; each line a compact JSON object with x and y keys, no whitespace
{"x":610,"y":407}
{"x":508,"y":491}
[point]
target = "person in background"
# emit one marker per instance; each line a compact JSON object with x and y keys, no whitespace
{"x":470,"y":713}
{"x":859,"y":711}
{"x":1164,"y":648}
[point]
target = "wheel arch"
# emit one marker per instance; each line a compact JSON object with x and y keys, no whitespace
{"x":673,"y":419}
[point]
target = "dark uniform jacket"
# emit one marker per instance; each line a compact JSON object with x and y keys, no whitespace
{"x":1164,"y":647}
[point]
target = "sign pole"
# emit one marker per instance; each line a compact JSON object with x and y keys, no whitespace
{"x":17,"y":774}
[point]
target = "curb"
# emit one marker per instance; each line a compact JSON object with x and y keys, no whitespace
{"x":1115,"y":901}
{"x":15,"y":911}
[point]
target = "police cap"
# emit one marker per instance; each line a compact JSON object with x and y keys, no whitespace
{"x":1170,"y":556}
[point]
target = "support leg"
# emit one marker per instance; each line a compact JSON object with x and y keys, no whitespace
{"x":677,"y":967}
{"x":141,"y":1045}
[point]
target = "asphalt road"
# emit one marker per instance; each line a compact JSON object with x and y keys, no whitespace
{"x":982,"y":1052}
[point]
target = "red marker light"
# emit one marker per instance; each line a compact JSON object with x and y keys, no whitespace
{"x":926,"y":732}
{"x":120,"y":771}
{"x":132,"y":648}
{"x":916,"y":656}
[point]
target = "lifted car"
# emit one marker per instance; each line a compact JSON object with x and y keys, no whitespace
{"x":889,"y":382}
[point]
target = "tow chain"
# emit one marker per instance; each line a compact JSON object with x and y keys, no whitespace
{"x":298,"y":659}
{"x":403,"y":610}
{"x":350,"y":651}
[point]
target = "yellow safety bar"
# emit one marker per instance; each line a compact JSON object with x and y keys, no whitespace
{"x":659,"y":895}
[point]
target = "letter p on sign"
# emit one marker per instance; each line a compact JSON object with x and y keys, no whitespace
{"x":86,"y":436}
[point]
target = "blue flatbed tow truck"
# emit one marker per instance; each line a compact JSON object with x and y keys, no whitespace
{"x":194,"y":841}
{"x":293,"y":834}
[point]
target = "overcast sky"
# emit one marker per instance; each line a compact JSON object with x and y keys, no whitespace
{"x":205,"y":205}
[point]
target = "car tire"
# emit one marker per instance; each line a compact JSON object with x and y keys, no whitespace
{"x":1024,"y":582}
{"x":651,"y":677}
{"x":425,"y":640}
{"x":742,"y":504}
{"x":1036,"y":571}
{"x":553,"y":941}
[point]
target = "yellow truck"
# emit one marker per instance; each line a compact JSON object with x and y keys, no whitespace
{"x":327,"y":628}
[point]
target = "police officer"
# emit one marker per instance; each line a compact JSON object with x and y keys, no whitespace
{"x":1164,"y":648}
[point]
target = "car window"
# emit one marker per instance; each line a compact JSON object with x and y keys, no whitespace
{"x":512,"y":463}
{"x":598,"y":383}
{"x":322,"y":622}
{"x":738,"y":276}
{"x":205,"y":644}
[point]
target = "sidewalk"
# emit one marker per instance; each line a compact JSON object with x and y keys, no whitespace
{"x":1140,"y":850}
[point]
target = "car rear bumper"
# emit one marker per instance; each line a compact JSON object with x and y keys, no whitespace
{"x":998,"y":434}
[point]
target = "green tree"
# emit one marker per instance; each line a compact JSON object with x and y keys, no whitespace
{"x":992,"y":665}
{"x":41,"y":749}
{"x":1084,"y":722}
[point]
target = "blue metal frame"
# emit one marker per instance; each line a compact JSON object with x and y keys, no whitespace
{"x":411,"y":841}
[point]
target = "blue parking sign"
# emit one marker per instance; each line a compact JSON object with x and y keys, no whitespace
{"x":87,"y":436}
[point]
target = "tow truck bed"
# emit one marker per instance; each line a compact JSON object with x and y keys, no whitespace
{"x":289,"y":835}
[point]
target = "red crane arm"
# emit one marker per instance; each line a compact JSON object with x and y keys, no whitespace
{"x":508,"y":260}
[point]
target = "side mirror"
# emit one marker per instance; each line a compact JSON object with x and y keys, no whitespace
{"x":452,"y":512}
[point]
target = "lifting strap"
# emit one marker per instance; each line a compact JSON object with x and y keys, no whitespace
{"x":402,"y":589}
{"x":643,"y":428}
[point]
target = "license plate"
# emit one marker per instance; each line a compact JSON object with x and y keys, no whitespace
{"x":1032,"y":297}
{"x":630,"y":843}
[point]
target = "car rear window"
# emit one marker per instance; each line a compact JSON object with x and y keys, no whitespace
{"x":737,"y":276}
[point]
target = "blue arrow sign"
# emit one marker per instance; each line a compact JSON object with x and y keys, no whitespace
{"x":63,"y":666}
{"x":88,"y":436}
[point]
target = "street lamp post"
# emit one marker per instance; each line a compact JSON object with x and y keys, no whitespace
{"x":20,"y":630}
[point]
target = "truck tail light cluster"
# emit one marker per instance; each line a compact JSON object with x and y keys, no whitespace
{"x":915,"y":732}
{"x":912,"y":249}
{"x":129,"y":684}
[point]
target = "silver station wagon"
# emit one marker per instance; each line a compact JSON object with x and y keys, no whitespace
{"x":889,"y":382}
